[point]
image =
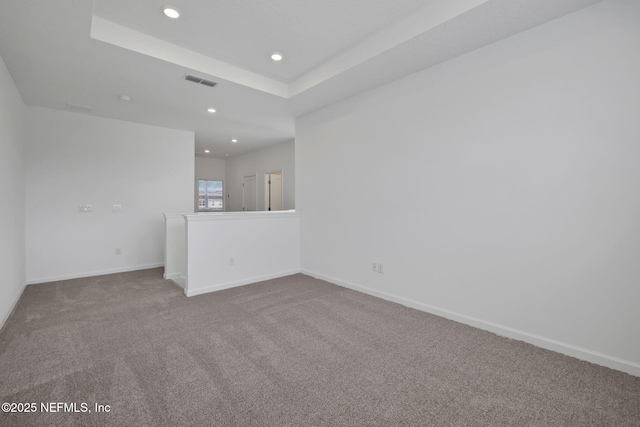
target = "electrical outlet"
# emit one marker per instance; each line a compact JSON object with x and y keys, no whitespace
{"x":116,"y":208}
{"x":232,"y":261}
{"x":85,"y":208}
{"x":380,"y":268}
{"x":374,"y":267}
{"x":118,"y":251}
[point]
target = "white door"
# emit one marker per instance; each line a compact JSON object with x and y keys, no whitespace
{"x":249,"y":193}
{"x":275,"y":192}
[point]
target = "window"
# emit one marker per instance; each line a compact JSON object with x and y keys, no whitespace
{"x":211,"y":196}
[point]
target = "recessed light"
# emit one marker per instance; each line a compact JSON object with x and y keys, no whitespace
{"x":211,"y":110}
{"x":171,"y":12}
{"x":207,"y":151}
{"x":234,"y":140}
{"x":276,"y":56}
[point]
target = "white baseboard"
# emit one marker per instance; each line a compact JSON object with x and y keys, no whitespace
{"x":546,"y":343}
{"x":7,"y":314}
{"x":247,"y":281}
{"x":94,"y":273}
{"x":177,"y":278}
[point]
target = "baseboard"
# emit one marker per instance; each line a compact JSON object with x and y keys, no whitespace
{"x":247,"y":281}
{"x":94,"y":273}
{"x":7,"y":315}
{"x":546,"y":343}
{"x":177,"y":278}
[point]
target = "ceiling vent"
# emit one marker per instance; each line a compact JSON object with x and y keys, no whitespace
{"x":199,"y":80}
{"x":78,"y":108}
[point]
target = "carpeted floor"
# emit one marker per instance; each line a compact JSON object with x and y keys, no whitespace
{"x":294,"y":351}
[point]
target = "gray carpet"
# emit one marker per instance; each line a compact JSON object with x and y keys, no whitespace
{"x":294,"y":351}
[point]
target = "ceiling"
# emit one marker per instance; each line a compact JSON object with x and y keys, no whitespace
{"x":66,"y":54}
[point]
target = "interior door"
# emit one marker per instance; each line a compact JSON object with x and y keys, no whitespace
{"x":275,"y":192}
{"x":249,"y":193}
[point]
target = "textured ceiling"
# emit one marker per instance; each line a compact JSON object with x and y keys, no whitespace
{"x":78,"y":52}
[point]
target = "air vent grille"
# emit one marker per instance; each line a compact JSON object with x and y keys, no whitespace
{"x":199,"y":80}
{"x":78,"y":108}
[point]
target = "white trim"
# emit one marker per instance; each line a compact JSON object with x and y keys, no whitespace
{"x":94,"y":273}
{"x":191,"y":293}
{"x":178,"y":278}
{"x":13,"y":307}
{"x":546,"y":343}
{"x":220,"y":216}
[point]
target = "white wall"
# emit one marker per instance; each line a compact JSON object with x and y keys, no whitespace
{"x":209,"y":169}
{"x":175,"y":248}
{"x":75,"y":159}
{"x":500,"y":188}
{"x":263,"y":246}
{"x":12,"y":203}
{"x":259,"y":162}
